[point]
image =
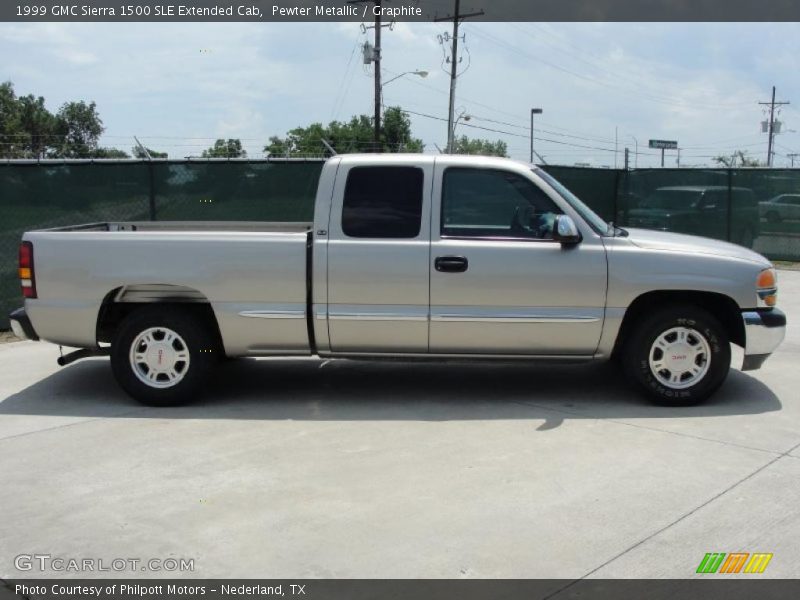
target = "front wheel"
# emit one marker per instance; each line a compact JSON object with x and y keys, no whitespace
{"x":161,"y":356}
{"x":678,"y":356}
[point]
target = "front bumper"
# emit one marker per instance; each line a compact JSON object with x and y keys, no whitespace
{"x":21,"y":325}
{"x":764,"y":330}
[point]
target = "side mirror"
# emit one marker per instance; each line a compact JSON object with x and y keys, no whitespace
{"x":565,"y":230}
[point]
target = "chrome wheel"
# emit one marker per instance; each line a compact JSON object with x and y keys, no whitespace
{"x":159,"y":357}
{"x":679,"y":357}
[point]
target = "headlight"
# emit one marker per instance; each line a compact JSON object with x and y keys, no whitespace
{"x":767,"y":287}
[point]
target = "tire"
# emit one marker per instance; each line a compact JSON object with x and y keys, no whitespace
{"x":162,"y":356}
{"x":691,"y":346}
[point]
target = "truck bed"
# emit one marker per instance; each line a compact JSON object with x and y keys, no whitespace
{"x":253,"y":274}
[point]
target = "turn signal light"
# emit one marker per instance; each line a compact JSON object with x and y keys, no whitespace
{"x":26,"y":277}
{"x":767,"y":287}
{"x":766,"y":279}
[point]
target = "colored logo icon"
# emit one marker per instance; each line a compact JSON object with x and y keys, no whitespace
{"x":734,"y":562}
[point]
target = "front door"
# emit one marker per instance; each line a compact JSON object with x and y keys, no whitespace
{"x":499,"y":283}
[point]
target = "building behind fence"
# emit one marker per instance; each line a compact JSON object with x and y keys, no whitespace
{"x":730,"y":204}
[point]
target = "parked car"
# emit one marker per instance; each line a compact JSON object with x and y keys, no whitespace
{"x":700,"y":210}
{"x":408,"y":256}
{"x":785,"y":207}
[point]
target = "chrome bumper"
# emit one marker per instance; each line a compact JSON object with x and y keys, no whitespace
{"x":763,"y":332}
{"x":21,"y":325}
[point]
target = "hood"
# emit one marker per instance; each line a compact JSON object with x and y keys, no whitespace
{"x":691,"y":244}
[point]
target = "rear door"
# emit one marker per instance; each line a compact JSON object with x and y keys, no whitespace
{"x":378,"y":251}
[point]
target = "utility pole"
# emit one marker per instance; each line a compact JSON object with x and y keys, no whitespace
{"x":456,"y":19}
{"x":534,"y":111}
{"x":791,"y":156}
{"x":627,"y":157}
{"x":771,"y":125}
{"x":376,"y":136}
{"x":376,"y":59}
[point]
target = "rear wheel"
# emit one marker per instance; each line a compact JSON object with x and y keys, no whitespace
{"x":678,"y":356}
{"x":161,"y":356}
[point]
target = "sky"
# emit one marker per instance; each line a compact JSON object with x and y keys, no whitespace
{"x":602,"y":86}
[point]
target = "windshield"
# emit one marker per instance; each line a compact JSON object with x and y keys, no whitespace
{"x":584,"y":211}
{"x":671,"y":199}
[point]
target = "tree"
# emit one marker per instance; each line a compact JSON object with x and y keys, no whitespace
{"x":11,"y":132}
{"x":79,"y":127}
{"x":110,"y":153}
{"x":464,"y":145}
{"x":230,"y":148}
{"x":397,"y":132}
{"x":139,"y":153}
{"x":39,"y":126}
{"x":741,"y":156}
{"x":356,"y":135}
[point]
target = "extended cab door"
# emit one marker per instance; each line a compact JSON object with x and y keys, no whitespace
{"x":499,"y":283}
{"x":378,"y":253}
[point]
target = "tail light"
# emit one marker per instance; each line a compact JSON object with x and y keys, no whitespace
{"x":26,"y":275}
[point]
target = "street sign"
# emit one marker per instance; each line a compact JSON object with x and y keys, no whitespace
{"x":664,"y":144}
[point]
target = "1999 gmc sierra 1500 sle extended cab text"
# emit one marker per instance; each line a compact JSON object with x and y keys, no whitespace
{"x":409,"y":256}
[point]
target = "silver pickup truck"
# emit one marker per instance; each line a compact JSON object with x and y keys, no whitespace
{"x":409,"y":256}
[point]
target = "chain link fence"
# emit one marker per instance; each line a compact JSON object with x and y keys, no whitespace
{"x":758,"y":208}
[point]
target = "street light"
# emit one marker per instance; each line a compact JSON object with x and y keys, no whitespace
{"x":461,"y":115}
{"x":534,"y":111}
{"x":422,"y":74}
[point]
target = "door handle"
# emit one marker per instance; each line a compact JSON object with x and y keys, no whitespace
{"x":451,"y":264}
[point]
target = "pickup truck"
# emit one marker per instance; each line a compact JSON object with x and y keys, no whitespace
{"x":408,"y":256}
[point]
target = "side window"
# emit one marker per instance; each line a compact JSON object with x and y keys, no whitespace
{"x":494,"y":203}
{"x":382,"y":202}
{"x":714,"y":200}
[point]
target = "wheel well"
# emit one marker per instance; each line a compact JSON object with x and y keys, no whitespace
{"x":112,"y":313}
{"x":724,"y":309}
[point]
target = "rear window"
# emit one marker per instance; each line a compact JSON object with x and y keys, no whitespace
{"x":383,"y":202}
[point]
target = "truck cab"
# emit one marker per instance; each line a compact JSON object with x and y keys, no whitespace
{"x":455,"y":256}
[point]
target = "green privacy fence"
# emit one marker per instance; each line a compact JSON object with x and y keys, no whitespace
{"x":759,"y":208}
{"x":37,"y":195}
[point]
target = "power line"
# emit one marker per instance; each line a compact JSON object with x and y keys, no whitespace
{"x":613,"y":73}
{"x":652,"y":98}
{"x":512,"y":134}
